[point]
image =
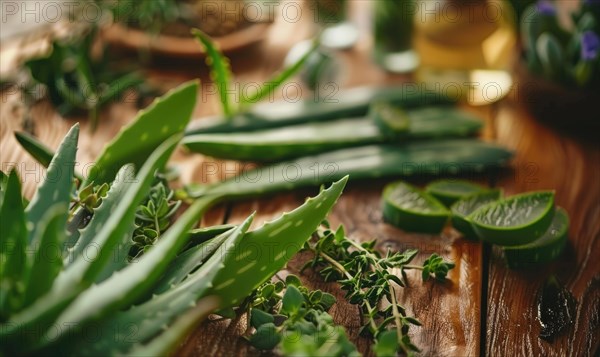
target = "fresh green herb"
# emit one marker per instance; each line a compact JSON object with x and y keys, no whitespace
{"x":75,"y":81}
{"x":150,"y":15}
{"x":370,"y":283}
{"x":153,"y":217}
{"x":295,"y":321}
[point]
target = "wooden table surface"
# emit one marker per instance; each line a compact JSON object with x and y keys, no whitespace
{"x":483,"y":309}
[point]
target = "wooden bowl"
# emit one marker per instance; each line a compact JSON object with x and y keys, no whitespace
{"x":183,"y":47}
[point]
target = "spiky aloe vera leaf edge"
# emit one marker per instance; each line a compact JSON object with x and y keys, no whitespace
{"x":167,"y":116}
{"x":57,"y":184}
{"x":265,"y":251}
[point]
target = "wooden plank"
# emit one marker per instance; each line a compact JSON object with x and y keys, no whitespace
{"x":547,"y":161}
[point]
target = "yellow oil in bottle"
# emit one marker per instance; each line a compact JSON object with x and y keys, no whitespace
{"x":465,"y":47}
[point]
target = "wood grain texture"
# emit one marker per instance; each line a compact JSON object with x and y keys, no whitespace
{"x":546,"y":160}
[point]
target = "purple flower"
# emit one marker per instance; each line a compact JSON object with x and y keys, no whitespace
{"x":590,"y":46}
{"x":546,"y":7}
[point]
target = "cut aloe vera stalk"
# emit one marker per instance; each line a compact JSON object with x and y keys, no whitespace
{"x":313,"y":138}
{"x":393,"y":122}
{"x":450,"y":191}
{"x":333,"y":105}
{"x":374,"y":161}
{"x":543,"y":250}
{"x":516,"y":220}
{"x":467,"y":205}
{"x":408,"y":208}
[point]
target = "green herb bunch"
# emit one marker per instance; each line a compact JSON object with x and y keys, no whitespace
{"x":77,"y":82}
{"x":293,"y":318}
{"x":371,"y":283}
{"x":153,"y":217}
{"x":570,"y":57}
{"x":150,"y":15}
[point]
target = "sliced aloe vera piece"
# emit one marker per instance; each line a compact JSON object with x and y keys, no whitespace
{"x":516,"y":220}
{"x":421,"y":158}
{"x":467,"y":205}
{"x":545,"y":249}
{"x":334,"y":105}
{"x":413,"y":210}
{"x":450,"y":191}
{"x":313,"y":138}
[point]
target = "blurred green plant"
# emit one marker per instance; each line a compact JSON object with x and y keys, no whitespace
{"x":570,"y":57}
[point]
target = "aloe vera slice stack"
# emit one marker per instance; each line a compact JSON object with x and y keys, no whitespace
{"x":409,"y":208}
{"x":450,"y":191}
{"x":545,"y":249}
{"x":516,"y":220}
{"x":469,"y":204}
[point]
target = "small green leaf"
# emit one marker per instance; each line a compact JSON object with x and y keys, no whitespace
{"x":387,"y":344}
{"x":266,"y":337}
{"x":293,"y":280}
{"x":292,"y":300}
{"x":259,"y":318}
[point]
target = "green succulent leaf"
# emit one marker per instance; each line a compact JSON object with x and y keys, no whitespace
{"x":266,"y":337}
{"x":167,"y":116}
{"x":265,"y":251}
{"x":13,"y":243}
{"x":220,"y":69}
{"x":47,"y":261}
{"x":35,"y":148}
{"x":551,"y":55}
{"x":259,"y":318}
{"x":114,"y":226}
{"x":292,"y":300}
{"x":165,"y":343}
{"x":120,"y":290}
{"x":56,"y":188}
{"x":149,"y":318}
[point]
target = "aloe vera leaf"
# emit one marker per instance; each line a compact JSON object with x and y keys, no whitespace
{"x":35,"y":148}
{"x":110,"y":228}
{"x":186,"y":262}
{"x":220,"y":69}
{"x":392,"y":121}
{"x":201,"y":235}
{"x":151,"y":317}
{"x":167,"y":116}
{"x":122,"y":289}
{"x":13,"y":241}
{"x":170,"y":339}
{"x":270,"y":85}
{"x":340,"y":104}
{"x":123,"y":181}
{"x":47,"y":261}
{"x":313,"y":138}
{"x":374,"y":161}
{"x":57,"y":184}
{"x":263,"y":252}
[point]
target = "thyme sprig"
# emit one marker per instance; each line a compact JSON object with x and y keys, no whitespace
{"x":291,"y":317}
{"x":369,"y":281}
{"x":153,"y":217}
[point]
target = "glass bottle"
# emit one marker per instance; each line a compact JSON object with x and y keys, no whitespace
{"x":466,"y":47}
